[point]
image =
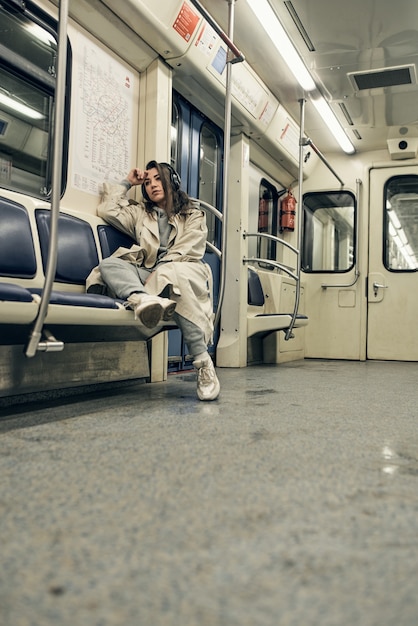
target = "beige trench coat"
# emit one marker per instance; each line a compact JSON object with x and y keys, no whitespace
{"x":189,"y":279}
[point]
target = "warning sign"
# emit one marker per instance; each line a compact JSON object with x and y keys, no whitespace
{"x":186,"y":21}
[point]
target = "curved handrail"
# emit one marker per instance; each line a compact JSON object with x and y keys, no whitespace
{"x":214,"y":249}
{"x":273,"y":238}
{"x":209,"y":208}
{"x":34,"y":339}
{"x":219,"y":253}
{"x":283,"y":268}
{"x":276,"y":264}
{"x":340,"y":286}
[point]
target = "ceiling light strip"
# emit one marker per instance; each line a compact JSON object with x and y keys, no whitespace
{"x":19,"y":107}
{"x":271,"y":24}
{"x":268,"y":19}
{"x":333,"y":124}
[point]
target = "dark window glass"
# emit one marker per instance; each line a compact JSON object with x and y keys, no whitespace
{"x":209,"y":168}
{"x":400,"y":248}
{"x":328,"y":235}
{"x":267,"y":220}
{"x":175,"y":137}
{"x":28,"y":51}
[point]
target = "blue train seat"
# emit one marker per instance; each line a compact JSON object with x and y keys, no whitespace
{"x":111,"y":239}
{"x":10,"y":292}
{"x":79,"y":299}
{"x":255,"y":290}
{"x":17,"y":253}
{"x":77,"y":253}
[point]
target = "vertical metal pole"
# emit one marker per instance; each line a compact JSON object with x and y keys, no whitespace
{"x":302,"y":103}
{"x":56,"y":178}
{"x":300,"y":182}
{"x":227,"y":151}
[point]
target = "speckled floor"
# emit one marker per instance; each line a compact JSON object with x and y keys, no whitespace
{"x":290,"y":501}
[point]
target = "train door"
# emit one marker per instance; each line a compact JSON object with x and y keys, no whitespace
{"x":197,"y":154}
{"x":333,"y":295}
{"x":392,"y":293}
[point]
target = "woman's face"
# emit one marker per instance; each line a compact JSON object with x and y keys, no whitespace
{"x":154,"y":188}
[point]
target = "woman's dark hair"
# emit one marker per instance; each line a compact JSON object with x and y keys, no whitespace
{"x":176,"y":199}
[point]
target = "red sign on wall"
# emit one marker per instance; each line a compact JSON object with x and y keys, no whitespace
{"x":186,"y":21}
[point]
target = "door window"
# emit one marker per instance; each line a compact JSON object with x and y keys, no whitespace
{"x":328,"y":237}
{"x":208,"y":174}
{"x":175,"y":148}
{"x":400,"y":248}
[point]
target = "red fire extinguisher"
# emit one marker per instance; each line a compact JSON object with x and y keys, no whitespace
{"x":288,"y":212}
{"x":263,"y":214}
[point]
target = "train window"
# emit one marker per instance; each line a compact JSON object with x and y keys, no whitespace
{"x":401,"y":224}
{"x":175,"y":135}
{"x":328,"y":235}
{"x":208,"y":173}
{"x":27,"y":86}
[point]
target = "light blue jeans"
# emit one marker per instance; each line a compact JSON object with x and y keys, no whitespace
{"x":123,"y":278}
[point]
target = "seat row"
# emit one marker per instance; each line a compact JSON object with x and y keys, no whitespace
{"x":83,"y":240}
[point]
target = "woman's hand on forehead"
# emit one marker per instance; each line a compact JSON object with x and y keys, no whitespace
{"x":137,"y":176}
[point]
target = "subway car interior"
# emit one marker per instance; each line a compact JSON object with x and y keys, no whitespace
{"x":290,"y":499}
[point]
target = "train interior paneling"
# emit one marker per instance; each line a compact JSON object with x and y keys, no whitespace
{"x":290,"y":499}
{"x":324,"y":233}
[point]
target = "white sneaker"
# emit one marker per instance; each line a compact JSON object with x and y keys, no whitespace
{"x":150,"y":310}
{"x":169,"y":306}
{"x":208,"y":386}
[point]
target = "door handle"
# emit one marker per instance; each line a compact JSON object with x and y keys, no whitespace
{"x":377,"y":286}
